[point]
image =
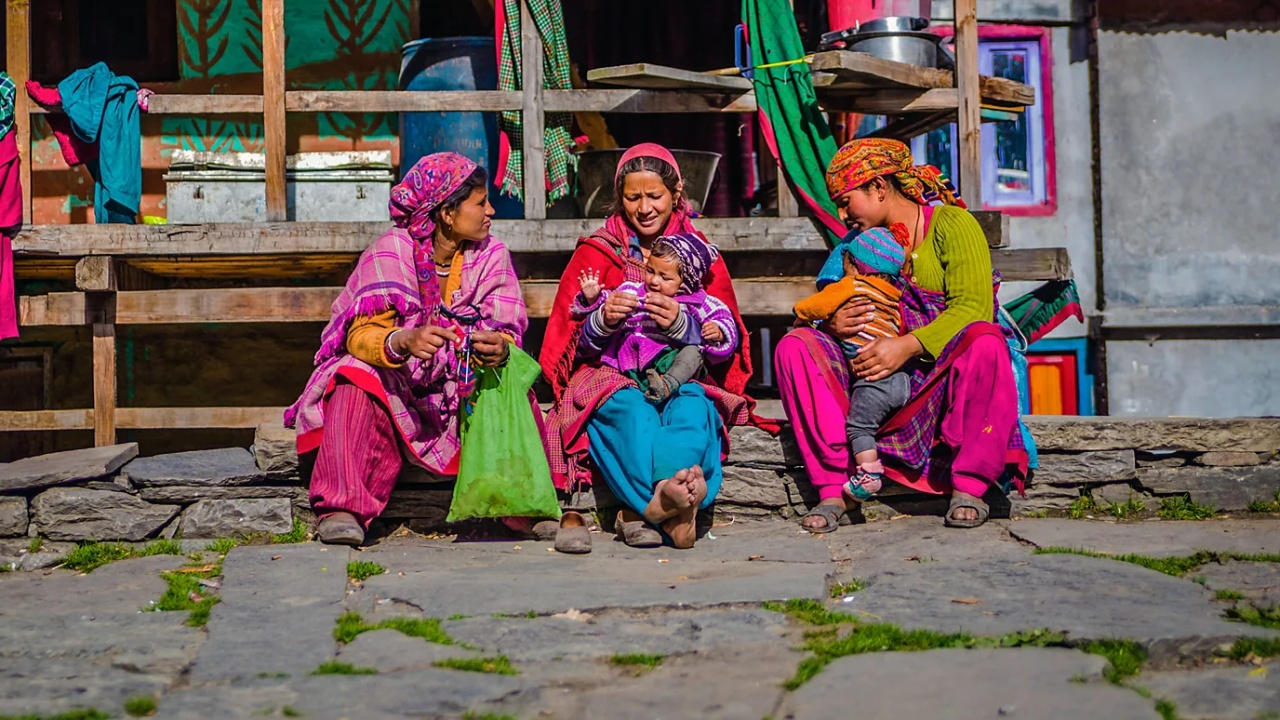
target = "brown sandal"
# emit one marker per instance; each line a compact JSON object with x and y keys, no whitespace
{"x":635,"y":532}
{"x":574,"y":535}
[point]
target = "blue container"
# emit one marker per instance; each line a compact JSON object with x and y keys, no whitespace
{"x":460,"y":63}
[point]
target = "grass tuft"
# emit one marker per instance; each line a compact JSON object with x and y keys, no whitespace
{"x":351,"y":625}
{"x":1228,"y":595}
{"x":1263,"y":506}
{"x":486,"y":716}
{"x":1182,"y":507}
{"x":1167,"y":710}
{"x":499,"y":665}
{"x":221,"y":546}
{"x":1127,"y":510}
{"x":839,"y":590}
{"x":290,"y":711}
{"x":1262,"y":617}
{"x":89,"y":556}
{"x":140,"y":706}
{"x":35,"y":544}
{"x":78,"y":714}
{"x":362,"y":570}
{"x":457,"y":616}
{"x":298,"y":534}
{"x":1082,"y":506}
{"x":809,"y":612}
{"x":337,"y":667}
{"x":1125,"y":657}
{"x":880,"y":637}
{"x":1257,"y":647}
{"x":638,"y":660}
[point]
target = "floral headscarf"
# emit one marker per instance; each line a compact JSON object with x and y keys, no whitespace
{"x":861,"y":161}
{"x":431,"y":181}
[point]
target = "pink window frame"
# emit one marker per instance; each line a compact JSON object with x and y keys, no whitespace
{"x":1045,"y":100}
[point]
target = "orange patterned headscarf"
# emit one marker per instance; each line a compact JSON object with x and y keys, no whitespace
{"x":861,"y":161}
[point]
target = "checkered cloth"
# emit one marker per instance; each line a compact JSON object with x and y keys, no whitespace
{"x":8,"y":91}
{"x":557,"y":138}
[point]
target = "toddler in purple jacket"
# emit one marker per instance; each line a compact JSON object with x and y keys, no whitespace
{"x":662,"y":360}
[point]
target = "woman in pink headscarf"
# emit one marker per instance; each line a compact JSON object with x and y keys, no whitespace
{"x":392,"y":369}
{"x":661,"y":461}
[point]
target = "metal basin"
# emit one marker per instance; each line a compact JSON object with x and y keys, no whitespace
{"x":596,"y":169}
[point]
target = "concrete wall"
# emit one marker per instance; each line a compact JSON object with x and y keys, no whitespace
{"x":1188,"y":131}
{"x":1071,"y":226}
{"x":1029,"y":12}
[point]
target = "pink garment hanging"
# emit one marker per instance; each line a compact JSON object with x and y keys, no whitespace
{"x":10,"y":223}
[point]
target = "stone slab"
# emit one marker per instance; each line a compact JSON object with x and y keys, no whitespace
{"x":1220,"y":458}
{"x":392,"y":651}
{"x":1163,"y":538}
{"x":1054,"y":433}
{"x":475,"y":579}
{"x":1225,"y":488}
{"x":80,"y":514}
{"x":968,"y":685}
{"x":185,"y":494}
{"x":1248,"y":693}
{"x":1086,"y":598}
{"x":60,"y":468}
{"x":1043,"y":497}
{"x":598,"y":636}
{"x":13,"y":516}
{"x":237,"y":518}
{"x":275,"y":615}
{"x":275,"y":448}
{"x":225,"y":466}
{"x":753,"y":487}
{"x":1085,"y":467}
{"x":1258,"y":582}
{"x":753,"y":446}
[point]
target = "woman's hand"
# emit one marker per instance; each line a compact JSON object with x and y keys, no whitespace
{"x":423,"y":342}
{"x":711,"y":333}
{"x":850,"y":319}
{"x":662,"y":309}
{"x":882,"y":357}
{"x":618,"y":307}
{"x":489,"y":348}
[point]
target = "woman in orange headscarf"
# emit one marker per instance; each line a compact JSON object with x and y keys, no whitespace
{"x":958,"y":434}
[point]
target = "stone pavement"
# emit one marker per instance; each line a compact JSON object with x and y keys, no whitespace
{"x":938,"y":624}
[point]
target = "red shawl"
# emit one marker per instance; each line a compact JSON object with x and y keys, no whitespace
{"x":606,"y":252}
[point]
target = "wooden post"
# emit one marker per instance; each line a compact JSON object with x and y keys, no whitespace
{"x":273,"y":114}
{"x":104,"y":384}
{"x":532,"y":117}
{"x":788,"y":203}
{"x":969,"y":127}
{"x":18,"y":64}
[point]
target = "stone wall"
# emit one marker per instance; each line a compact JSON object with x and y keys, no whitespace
{"x":110,"y":494}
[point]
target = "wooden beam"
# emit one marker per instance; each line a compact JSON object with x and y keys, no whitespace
{"x":273,"y":110}
{"x":101,"y":273}
{"x":841,"y":70}
{"x":910,"y":126}
{"x":757,"y":296}
{"x":648,"y":101}
{"x":532,"y":117}
{"x":164,"y":104}
{"x":969,"y":125}
{"x":134,"y":418}
{"x":660,"y":77}
{"x":104,"y":384}
{"x":18,"y":65}
{"x":318,"y":238}
{"x":388,"y":101}
{"x":34,"y":420}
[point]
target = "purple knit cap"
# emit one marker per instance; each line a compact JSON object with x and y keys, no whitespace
{"x":695,"y":256}
{"x":877,"y":251}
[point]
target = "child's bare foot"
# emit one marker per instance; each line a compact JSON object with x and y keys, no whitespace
{"x":683,"y":527}
{"x":670,"y":497}
{"x":589,"y":281}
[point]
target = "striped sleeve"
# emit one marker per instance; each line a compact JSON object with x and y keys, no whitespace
{"x":713,"y":310}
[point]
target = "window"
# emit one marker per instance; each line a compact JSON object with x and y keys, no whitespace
{"x":1017,"y":153}
{"x":138,"y":38}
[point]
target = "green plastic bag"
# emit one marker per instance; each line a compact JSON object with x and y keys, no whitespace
{"x":503,"y":470}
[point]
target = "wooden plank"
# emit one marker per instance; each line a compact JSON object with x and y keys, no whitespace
{"x":843,"y":70}
{"x":166,"y":104}
{"x":319,"y":238}
{"x":231,"y":267}
{"x":648,"y":101}
{"x":273,"y":110}
{"x":757,"y":296}
{"x":388,"y":101}
{"x":660,"y":77}
{"x":969,"y":124}
{"x":169,"y":418}
{"x":893,"y":102}
{"x":910,"y":126}
{"x":532,"y":117}
{"x":101,"y":273}
{"x":995,"y":226}
{"x":104,"y":384}
{"x":33,"y":420}
{"x":18,"y":65}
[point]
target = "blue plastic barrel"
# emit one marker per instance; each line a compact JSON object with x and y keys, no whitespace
{"x":459,"y":63}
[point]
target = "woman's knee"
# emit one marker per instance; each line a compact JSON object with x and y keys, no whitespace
{"x":987,"y":348}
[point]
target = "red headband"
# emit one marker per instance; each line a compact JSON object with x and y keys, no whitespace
{"x":650,"y":150}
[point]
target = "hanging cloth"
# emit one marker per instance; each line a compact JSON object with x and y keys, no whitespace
{"x":557,"y":138}
{"x":794,"y":127}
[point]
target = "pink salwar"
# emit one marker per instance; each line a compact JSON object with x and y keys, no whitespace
{"x":359,"y":457}
{"x":980,"y":412}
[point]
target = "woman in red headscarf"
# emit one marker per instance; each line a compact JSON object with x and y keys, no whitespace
{"x":958,"y":434}
{"x":662,"y":462}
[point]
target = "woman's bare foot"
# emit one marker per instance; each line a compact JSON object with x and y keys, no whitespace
{"x":671,"y":496}
{"x":683,"y":527}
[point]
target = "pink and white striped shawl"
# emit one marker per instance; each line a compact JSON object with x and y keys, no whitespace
{"x":421,"y":396}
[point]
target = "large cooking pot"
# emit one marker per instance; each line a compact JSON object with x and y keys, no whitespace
{"x":596,"y":169}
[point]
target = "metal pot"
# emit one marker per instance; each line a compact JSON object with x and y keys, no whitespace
{"x":596,"y":170}
{"x":916,"y":48}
